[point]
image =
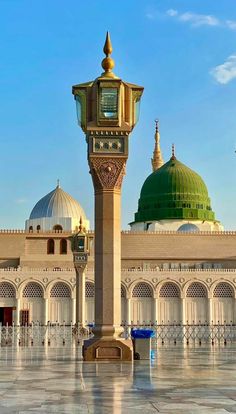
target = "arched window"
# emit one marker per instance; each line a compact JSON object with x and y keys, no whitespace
{"x":169,"y":290}
{"x":57,"y":227}
{"x":38,"y":227}
{"x":223,"y":290}
{"x":30,"y":229}
{"x":50,"y":246}
{"x":32,"y":290}
{"x":196,"y":290}
{"x":89,"y":290}
{"x":122,"y":292}
{"x":142,"y":290}
{"x":60,"y":290}
{"x":7,"y":290}
{"x":63,"y":246}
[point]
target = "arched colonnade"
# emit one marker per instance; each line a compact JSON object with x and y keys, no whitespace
{"x":141,"y":303}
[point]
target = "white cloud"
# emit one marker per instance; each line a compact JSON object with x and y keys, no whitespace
{"x":172,"y":12}
{"x":225,"y":72}
{"x":231,"y":24}
{"x":199,"y":19}
{"x":194,"y":19}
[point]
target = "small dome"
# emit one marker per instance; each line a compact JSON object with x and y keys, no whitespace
{"x":57,"y":203}
{"x":174,"y":191}
{"x":188,"y":228}
{"x":57,"y":211}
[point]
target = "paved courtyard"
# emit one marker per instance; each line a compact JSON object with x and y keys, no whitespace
{"x":180,"y":380}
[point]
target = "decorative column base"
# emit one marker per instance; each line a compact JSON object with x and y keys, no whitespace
{"x":110,"y":349}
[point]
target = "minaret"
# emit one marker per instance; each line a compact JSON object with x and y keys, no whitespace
{"x":157,"y":160}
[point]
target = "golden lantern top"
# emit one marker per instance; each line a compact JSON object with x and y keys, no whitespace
{"x":107,"y":102}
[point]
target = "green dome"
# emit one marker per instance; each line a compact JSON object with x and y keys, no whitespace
{"x":174,"y":191}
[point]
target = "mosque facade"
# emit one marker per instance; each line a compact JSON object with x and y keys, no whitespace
{"x":178,"y":265}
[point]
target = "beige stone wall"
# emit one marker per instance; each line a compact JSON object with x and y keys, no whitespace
{"x":163,"y":247}
{"x":137,"y":249}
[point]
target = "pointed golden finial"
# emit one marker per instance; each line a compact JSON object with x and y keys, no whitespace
{"x":107,"y":46}
{"x":80,"y":225}
{"x":173,"y":152}
{"x":58,"y":183}
{"x":157,"y":160}
{"x":108,"y":63}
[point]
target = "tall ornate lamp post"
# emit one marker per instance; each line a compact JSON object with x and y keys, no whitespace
{"x":80,"y":250}
{"x":107,"y":110}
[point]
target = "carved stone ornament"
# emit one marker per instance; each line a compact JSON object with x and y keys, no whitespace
{"x":107,"y":173}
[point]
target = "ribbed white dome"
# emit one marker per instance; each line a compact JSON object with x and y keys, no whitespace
{"x":57,"y":203}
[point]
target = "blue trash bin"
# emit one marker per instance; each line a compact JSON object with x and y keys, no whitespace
{"x":142,"y":342}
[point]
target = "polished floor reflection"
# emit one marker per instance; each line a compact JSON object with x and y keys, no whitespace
{"x":180,"y":380}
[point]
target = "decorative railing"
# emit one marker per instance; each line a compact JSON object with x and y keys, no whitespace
{"x":43,"y":335}
{"x":130,"y":232}
{"x":189,"y":334}
{"x":125,"y":270}
{"x":73,"y":335}
{"x":36,"y":270}
{"x":212,"y":270}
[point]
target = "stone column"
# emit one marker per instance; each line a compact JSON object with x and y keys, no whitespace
{"x":80,"y":294}
{"x":128,"y":310}
{"x":45,"y":311}
{"x":209,"y":310}
{"x":183,"y":310}
{"x":73,"y":313}
{"x":107,"y":179}
{"x":17,"y":312}
{"x":155,"y":310}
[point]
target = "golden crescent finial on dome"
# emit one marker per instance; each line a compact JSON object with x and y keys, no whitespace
{"x":108,"y":63}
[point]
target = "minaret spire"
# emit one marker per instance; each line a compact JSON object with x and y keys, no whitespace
{"x":173,"y":152}
{"x":157,"y":160}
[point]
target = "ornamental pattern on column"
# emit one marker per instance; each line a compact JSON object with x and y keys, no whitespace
{"x":107,"y":173}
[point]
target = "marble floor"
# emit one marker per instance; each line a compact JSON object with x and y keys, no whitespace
{"x":179,"y":380}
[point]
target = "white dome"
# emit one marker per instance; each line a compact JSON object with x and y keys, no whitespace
{"x":57,"y":203}
{"x":56,"y":208}
{"x":188,"y":228}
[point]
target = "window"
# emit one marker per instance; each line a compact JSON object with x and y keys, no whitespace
{"x":196,"y":290}
{"x":63,"y":246}
{"x":89,"y":290}
{"x":169,"y":290}
{"x":51,"y":246}
{"x":32,"y":290}
{"x":122,"y":291}
{"x":142,"y":290}
{"x":60,"y":290}
{"x":7,"y":290}
{"x":24,"y":317}
{"x":30,"y":229}
{"x":223,"y":290}
{"x":38,"y":228}
{"x":57,"y":227}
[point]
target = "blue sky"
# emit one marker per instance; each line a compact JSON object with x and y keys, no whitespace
{"x":182,"y":52}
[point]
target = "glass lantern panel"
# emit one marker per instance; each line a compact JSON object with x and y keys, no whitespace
{"x":109,"y":103}
{"x":80,"y":244}
{"x":78,"y":109}
{"x":136,"y":111}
